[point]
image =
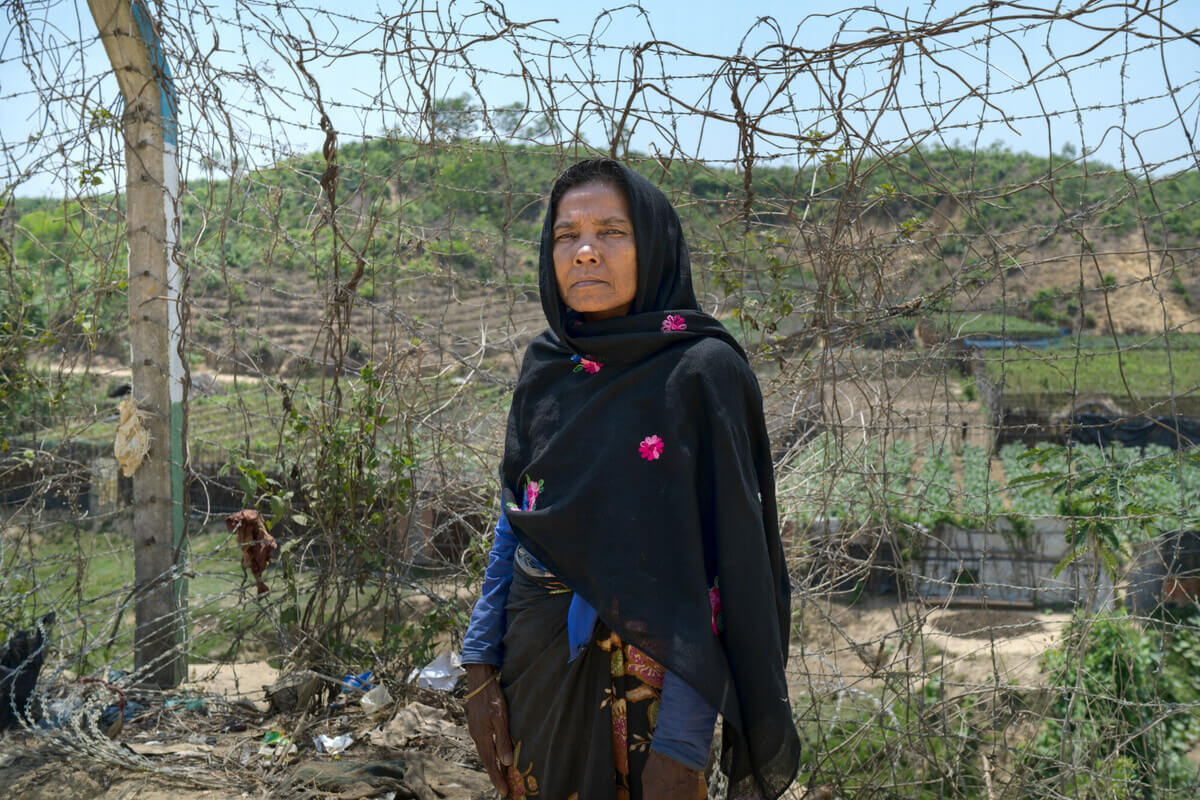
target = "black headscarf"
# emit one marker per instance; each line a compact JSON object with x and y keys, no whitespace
{"x":644,"y":435}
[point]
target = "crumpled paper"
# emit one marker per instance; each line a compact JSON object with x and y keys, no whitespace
{"x":416,"y":721}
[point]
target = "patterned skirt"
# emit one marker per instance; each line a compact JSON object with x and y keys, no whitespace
{"x":580,"y":730}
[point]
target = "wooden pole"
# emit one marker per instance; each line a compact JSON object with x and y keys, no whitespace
{"x":150,"y":127}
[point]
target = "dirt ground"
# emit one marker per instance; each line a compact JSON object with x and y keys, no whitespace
{"x":857,"y":645}
{"x":217,"y":752}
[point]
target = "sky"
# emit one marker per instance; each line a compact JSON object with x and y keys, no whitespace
{"x":1090,"y":97}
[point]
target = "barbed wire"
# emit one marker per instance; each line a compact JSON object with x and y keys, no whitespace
{"x":986,"y":605}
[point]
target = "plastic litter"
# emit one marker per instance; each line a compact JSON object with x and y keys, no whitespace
{"x":376,"y":700}
{"x":185,"y":703}
{"x":58,"y":713}
{"x":276,"y":745}
{"x":441,"y":674}
{"x":332,"y":745}
{"x":132,"y":441}
{"x":297,"y":691}
{"x":21,"y":657}
{"x":110,"y":714}
{"x":360,"y":682}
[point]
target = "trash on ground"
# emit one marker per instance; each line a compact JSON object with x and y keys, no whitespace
{"x":441,"y":673}
{"x":58,"y":713}
{"x":332,"y":745}
{"x":185,"y":703}
{"x":276,"y":745}
{"x":180,"y":749}
{"x":20,"y":663}
{"x":360,"y":682}
{"x":349,"y":779}
{"x":299,"y":691}
{"x":376,"y":700}
{"x":416,"y":721}
{"x":113,"y":712}
{"x":132,"y":709}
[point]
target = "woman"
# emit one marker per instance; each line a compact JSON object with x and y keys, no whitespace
{"x":636,"y":586}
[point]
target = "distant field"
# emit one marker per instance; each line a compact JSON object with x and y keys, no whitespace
{"x":1150,"y":372}
{"x":961,"y":324}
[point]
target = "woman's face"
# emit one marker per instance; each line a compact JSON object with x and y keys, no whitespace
{"x":595,"y":258}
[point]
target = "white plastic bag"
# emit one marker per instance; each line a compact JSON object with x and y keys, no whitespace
{"x":441,"y":673}
{"x":376,"y":700}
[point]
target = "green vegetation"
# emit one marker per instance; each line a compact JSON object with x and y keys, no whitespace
{"x":464,"y":207}
{"x":961,"y":324}
{"x":1151,"y":373}
{"x":922,"y":740}
{"x":1121,"y":706}
{"x":91,"y":566}
{"x":1124,"y":709}
{"x":919,"y":486}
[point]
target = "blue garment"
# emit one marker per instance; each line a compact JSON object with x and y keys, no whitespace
{"x":484,"y":640}
{"x":581,"y":620}
{"x":685,"y":721}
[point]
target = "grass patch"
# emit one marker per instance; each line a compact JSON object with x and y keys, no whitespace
{"x":84,"y":572}
{"x":960,"y":324}
{"x":969,"y":324}
{"x":1148,"y":372}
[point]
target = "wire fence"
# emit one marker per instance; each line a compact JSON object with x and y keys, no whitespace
{"x":959,"y":247}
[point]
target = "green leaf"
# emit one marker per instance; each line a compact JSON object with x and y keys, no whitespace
{"x":1109,"y":559}
{"x":1066,"y":561}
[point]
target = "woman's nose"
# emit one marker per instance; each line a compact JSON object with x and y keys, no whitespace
{"x":586,"y":254}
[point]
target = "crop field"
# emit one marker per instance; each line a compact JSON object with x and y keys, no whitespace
{"x":965,"y":487}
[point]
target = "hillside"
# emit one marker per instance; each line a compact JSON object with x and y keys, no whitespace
{"x":446,"y":231}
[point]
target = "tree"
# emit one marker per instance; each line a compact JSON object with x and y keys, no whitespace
{"x":453,"y":119}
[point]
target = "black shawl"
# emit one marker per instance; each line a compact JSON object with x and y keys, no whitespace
{"x":644,"y":435}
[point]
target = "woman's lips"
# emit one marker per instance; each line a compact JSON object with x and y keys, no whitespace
{"x":589,"y":283}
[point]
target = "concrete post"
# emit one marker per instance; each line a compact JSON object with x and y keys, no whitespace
{"x":151,"y":199}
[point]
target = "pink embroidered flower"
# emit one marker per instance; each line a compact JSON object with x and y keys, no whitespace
{"x":532,"y":490}
{"x":714,"y":600}
{"x":581,"y":363}
{"x":588,"y":364}
{"x":674,"y":322}
{"x":650,"y":448}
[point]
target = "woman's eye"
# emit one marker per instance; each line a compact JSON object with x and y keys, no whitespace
{"x":563,"y":237}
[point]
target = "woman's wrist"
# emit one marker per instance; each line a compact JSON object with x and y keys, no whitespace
{"x":478,"y":674}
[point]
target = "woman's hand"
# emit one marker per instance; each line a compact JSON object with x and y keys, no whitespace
{"x":664,"y":778}
{"x":487,"y":720}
